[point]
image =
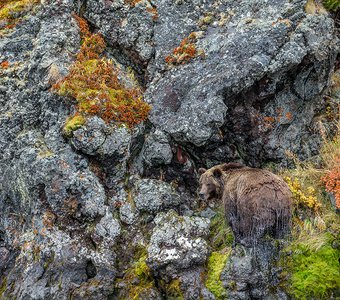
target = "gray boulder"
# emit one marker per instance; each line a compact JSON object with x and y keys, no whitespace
{"x":177,"y":242}
{"x":153,"y":196}
{"x":156,"y":149}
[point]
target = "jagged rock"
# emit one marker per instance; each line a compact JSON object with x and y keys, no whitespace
{"x":250,"y":273}
{"x":177,"y":242}
{"x":128,"y":26}
{"x":253,"y":96}
{"x":127,"y":214}
{"x":56,"y":266}
{"x":154,"y":195}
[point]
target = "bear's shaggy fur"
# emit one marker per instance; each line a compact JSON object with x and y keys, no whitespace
{"x":256,"y":201}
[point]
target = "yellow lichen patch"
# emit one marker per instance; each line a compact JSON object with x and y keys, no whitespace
{"x":73,"y":123}
{"x":93,"y":83}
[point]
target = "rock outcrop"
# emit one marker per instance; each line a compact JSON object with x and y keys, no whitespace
{"x":226,"y":80}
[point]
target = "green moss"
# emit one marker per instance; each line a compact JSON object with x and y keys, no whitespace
{"x":173,"y":290}
{"x":221,"y":235}
{"x":141,"y":269}
{"x":331,"y":4}
{"x":138,"y":279}
{"x":3,"y":286}
{"x":73,"y":124}
{"x":315,"y":274}
{"x":310,"y":263}
{"x":216,"y":263}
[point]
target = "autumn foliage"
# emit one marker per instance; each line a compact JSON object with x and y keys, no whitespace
{"x":93,"y":82}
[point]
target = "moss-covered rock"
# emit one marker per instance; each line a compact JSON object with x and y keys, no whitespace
{"x":138,"y":282}
{"x":216,"y":264}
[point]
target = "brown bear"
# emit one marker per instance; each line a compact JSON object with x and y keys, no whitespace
{"x":256,"y":201}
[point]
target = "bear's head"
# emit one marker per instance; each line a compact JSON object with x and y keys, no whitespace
{"x":212,"y":180}
{"x":210,"y":183}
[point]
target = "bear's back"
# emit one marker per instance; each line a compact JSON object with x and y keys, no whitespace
{"x":257,"y":190}
{"x":256,"y":201}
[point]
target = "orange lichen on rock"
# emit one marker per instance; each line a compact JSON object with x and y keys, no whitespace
{"x":132,"y":3}
{"x":185,"y":51}
{"x":93,"y":82}
{"x":4,"y":64}
{"x":153,"y":11}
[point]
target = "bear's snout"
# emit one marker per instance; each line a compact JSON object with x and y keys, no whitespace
{"x":202,"y":195}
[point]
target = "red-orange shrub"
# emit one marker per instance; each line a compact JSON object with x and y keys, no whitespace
{"x":332,"y":182}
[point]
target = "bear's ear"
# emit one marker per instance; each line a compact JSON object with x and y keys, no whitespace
{"x":217,"y":173}
{"x":201,"y":171}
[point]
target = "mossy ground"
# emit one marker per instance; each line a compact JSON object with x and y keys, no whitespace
{"x":220,"y":240}
{"x":311,"y":260}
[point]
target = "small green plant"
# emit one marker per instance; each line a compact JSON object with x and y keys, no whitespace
{"x":331,"y":4}
{"x":173,"y":290}
{"x":221,"y":235}
{"x":216,"y":263}
{"x":138,"y":279}
{"x":3,"y":286}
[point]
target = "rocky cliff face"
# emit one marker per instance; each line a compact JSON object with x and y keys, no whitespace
{"x":111,"y":212}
